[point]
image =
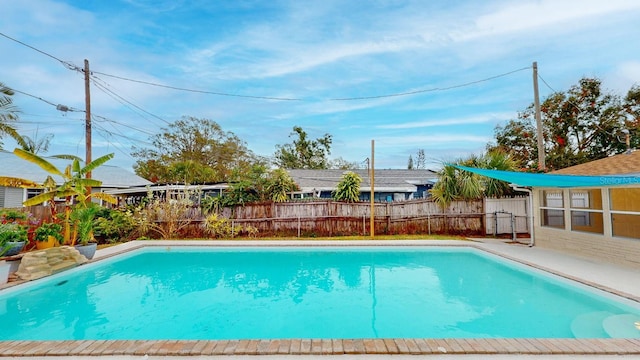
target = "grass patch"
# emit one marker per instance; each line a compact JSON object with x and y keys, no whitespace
{"x":326,"y":238}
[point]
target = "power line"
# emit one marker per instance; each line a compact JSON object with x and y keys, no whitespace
{"x":122,"y":124}
{"x":60,"y":107}
{"x":76,"y":68}
{"x":104,"y":88}
{"x":67,"y":64}
{"x":102,"y":130}
{"x":432,"y":89}
{"x":198,"y":91}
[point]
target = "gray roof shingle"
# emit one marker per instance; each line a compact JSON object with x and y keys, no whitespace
{"x":401,"y":180}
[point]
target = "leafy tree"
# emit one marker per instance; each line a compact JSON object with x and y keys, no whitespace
{"x":259,"y":184}
{"x":519,"y":138}
{"x":8,"y":112}
{"x":246,"y":187}
{"x":343,"y":164}
{"x":631,"y":113}
{"x":193,"y":150}
{"x":421,"y":160}
{"x":348,"y":188}
{"x":304,"y":153}
{"x":419,"y":163}
{"x":580,"y":125}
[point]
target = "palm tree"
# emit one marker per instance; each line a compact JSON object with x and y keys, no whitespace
{"x":8,"y":112}
{"x":455,"y":184}
{"x":497,"y":160}
{"x":34,"y":145}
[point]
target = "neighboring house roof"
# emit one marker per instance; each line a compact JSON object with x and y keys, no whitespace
{"x":621,"y":164}
{"x":387,"y":180}
{"x":111,"y":176}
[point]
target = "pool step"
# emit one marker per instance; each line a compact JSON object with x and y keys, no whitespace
{"x":622,"y":326}
{"x":589,"y":325}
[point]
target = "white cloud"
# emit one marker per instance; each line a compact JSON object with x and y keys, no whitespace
{"x":476,"y":119}
{"x":548,"y":15}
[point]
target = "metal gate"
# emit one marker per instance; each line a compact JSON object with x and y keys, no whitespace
{"x":507,"y":216}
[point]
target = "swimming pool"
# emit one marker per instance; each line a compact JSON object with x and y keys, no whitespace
{"x":279,"y":293}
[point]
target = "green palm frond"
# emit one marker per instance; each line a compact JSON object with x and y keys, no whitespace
{"x":95,"y":163}
{"x":66,"y":157}
{"x":41,"y":198}
{"x":75,"y":167}
{"x":35,"y":159}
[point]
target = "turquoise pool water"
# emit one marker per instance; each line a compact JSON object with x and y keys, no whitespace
{"x":266,"y":293}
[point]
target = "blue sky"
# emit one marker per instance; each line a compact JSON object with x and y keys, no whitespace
{"x":317,"y":52}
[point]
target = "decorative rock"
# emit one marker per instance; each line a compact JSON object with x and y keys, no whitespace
{"x":41,"y":263}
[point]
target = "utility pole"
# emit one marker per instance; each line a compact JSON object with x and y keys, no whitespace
{"x":87,"y":126}
{"x":539,"y":133}
{"x":373,"y":209}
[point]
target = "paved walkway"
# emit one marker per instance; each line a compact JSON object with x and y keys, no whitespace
{"x":618,"y":280}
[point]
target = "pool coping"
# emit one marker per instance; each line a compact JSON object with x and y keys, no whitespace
{"x":484,"y":346}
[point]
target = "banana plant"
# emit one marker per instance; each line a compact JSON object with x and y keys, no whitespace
{"x":75,"y":187}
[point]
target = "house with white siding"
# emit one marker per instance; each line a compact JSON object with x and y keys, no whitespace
{"x":112,"y":178}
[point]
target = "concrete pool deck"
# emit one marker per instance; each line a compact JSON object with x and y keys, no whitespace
{"x":609,"y":277}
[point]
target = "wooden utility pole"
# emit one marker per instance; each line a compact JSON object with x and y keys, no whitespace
{"x":372,"y":194}
{"x":87,"y":125}
{"x":540,"y":133}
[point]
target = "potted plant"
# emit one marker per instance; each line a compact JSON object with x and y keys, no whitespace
{"x":13,"y":231}
{"x":10,"y":234}
{"x":82,"y":218}
{"x":13,"y":236}
{"x":48,"y":235}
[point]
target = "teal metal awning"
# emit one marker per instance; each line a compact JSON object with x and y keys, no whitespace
{"x":554,"y":180}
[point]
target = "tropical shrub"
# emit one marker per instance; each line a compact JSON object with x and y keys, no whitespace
{"x":348,"y":188}
{"x":114,"y":225}
{"x":219,"y":227}
{"x":165,"y":217}
{"x":279,"y":185}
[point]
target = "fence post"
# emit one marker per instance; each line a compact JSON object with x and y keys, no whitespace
{"x":429,"y":222}
{"x":232,"y":228}
{"x":298,"y":225}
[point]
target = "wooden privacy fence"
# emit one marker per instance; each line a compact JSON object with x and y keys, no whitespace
{"x":330,"y":218}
